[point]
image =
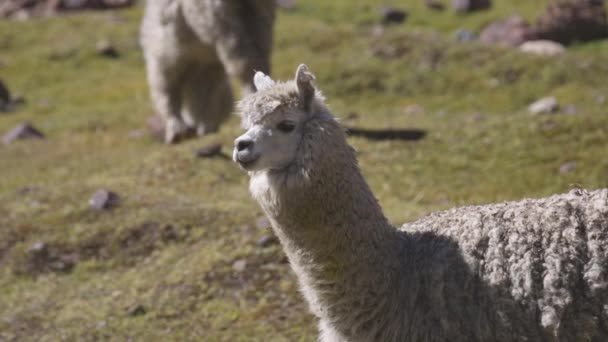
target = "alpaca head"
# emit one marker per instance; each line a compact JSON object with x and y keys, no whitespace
{"x":277,"y":118}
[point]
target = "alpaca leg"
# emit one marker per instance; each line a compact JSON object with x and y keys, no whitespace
{"x":165,"y":91}
{"x":245,"y":42}
{"x":207,"y":99}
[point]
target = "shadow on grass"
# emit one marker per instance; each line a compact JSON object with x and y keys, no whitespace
{"x":387,"y":134}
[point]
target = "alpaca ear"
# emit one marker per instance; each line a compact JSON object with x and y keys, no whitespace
{"x":262,"y":81}
{"x":306,"y":88}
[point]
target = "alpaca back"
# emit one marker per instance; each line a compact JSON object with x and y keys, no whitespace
{"x":549,"y":255}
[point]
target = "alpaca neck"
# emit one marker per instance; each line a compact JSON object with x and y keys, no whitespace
{"x":331,"y":225}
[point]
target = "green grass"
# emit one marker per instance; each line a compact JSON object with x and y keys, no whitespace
{"x":183,"y":222}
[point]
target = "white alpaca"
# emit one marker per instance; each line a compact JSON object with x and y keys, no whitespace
{"x":191,"y":47}
{"x":534,"y":270}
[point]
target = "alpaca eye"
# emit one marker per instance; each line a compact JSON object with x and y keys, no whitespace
{"x":286,"y":126}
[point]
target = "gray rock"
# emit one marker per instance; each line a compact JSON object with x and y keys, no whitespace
{"x":567,"y":167}
{"x":106,"y":49}
{"x":509,"y":32}
{"x":38,"y":248}
{"x":156,"y":126}
{"x":544,"y":105}
{"x":464,"y":35}
{"x":267,"y":240}
{"x":136,"y":310}
{"x":286,"y":4}
{"x":466,"y":6}
{"x":262,"y":223}
{"x":210,"y":151}
{"x":5,"y":97}
{"x":392,"y":15}
{"x":434,"y":5}
{"x":544,"y":48}
{"x":239,"y":265}
{"x":104,"y":199}
{"x":22,"y":131}
{"x":570,"y":21}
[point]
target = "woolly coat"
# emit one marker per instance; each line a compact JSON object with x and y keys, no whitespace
{"x":191,"y":47}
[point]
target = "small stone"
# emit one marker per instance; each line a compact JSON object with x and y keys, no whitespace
{"x":5,"y":98}
{"x":136,"y":310}
{"x":600,"y":99}
{"x":239,"y":265}
{"x":392,"y":15}
{"x":570,"y":109}
{"x":101,"y":325}
{"x":136,"y":134}
{"x":106,"y":49}
{"x":209,"y":151}
{"x":286,"y":4}
{"x":509,"y":32}
{"x":466,"y":6}
{"x":263,"y":223}
{"x":413,"y":109}
{"x":544,"y":48}
{"x":434,"y":5}
{"x":464,"y":35}
{"x":156,"y":126}
{"x":22,"y":131}
{"x":104,"y":199}
{"x":567,"y":167}
{"x":544,"y":105}
{"x":267,"y":241}
{"x":37,"y":249}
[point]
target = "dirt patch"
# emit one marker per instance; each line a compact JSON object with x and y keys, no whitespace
{"x":250,"y":277}
{"x":127,"y":248}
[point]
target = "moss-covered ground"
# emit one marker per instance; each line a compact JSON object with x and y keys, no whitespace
{"x":179,"y":258}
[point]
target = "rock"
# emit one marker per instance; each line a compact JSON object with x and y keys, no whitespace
{"x":5,"y":98}
{"x":286,"y":4}
{"x":512,"y":31}
{"x":37,"y":249}
{"x":136,"y":310}
{"x":106,"y":49}
{"x":392,"y":15}
{"x":567,"y":167}
{"x":22,"y":131}
{"x":434,"y":5}
{"x":156,"y":126}
{"x":544,"y":105}
{"x":104,"y":199}
{"x":267,"y":240}
{"x":464,"y":35}
{"x":570,"y":109}
{"x":136,"y":133}
{"x":239,"y":265}
{"x":545,"y":48}
{"x":262,"y":223}
{"x":570,"y":21}
{"x":466,"y":6}
{"x":209,"y":151}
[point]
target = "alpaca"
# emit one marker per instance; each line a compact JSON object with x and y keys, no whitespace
{"x":191,"y":47}
{"x":534,"y":270}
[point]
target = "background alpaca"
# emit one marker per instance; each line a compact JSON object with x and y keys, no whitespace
{"x":189,"y":46}
{"x":532,"y":270}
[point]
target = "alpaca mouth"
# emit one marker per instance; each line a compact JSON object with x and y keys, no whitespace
{"x":247,"y":162}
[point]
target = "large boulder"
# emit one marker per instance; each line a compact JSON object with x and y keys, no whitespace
{"x":509,"y":32}
{"x":568,"y":21}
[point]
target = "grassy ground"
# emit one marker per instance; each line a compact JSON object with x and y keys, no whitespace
{"x":183,"y":223}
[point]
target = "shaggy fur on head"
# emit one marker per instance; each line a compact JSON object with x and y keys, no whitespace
{"x":534,"y":270}
{"x":191,"y":47}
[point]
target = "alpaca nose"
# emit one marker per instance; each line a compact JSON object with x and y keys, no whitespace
{"x":243,"y":144}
